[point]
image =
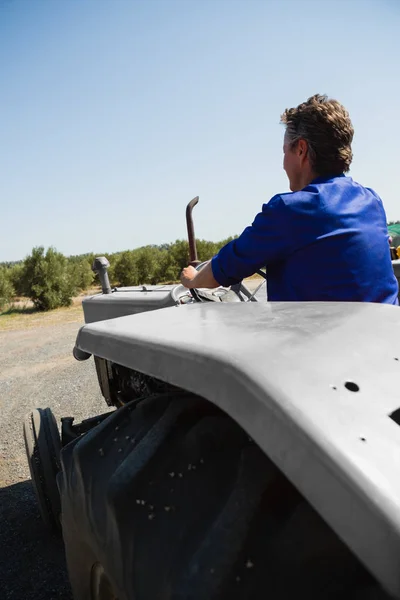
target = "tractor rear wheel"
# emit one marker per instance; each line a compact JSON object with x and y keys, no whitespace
{"x":43,"y":445}
{"x":169,"y":499}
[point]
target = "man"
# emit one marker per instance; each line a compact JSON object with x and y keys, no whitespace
{"x":327,"y":240}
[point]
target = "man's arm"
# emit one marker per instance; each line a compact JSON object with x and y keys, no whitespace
{"x":204,"y":278}
{"x":264,"y":242}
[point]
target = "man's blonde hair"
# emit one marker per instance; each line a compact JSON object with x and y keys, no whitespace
{"x":326,"y":127}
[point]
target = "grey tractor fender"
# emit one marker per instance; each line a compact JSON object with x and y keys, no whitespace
{"x":316,"y":385}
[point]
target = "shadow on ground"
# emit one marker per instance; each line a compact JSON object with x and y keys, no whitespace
{"x":19,"y":310}
{"x":32,"y":563}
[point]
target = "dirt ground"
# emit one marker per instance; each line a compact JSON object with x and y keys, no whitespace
{"x":36,"y":369}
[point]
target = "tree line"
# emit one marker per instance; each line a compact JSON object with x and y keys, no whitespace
{"x":51,"y":279}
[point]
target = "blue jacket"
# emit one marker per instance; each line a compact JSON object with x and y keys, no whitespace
{"x":327,"y":242}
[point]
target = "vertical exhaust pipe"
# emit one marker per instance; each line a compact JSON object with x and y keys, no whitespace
{"x":191,"y":236}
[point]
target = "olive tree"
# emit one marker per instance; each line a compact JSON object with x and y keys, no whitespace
{"x":6,"y":288}
{"x":47,"y":279}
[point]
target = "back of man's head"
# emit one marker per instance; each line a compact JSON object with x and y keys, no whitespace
{"x":326,"y":127}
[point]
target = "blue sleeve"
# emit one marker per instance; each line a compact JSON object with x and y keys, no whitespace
{"x":264,"y":242}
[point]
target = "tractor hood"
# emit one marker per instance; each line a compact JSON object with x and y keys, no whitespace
{"x":316,"y":385}
{"x":129,"y":301}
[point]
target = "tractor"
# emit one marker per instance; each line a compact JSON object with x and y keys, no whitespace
{"x":250,"y":449}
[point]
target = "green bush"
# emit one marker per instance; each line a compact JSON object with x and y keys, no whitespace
{"x":146,"y":261}
{"x":81,"y":274}
{"x":179,"y":251}
{"x":167,"y":269}
{"x":16,"y":276}
{"x":6,"y":288}
{"x":47,"y":279}
{"x":124,"y":270}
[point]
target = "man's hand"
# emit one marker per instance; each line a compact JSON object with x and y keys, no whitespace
{"x":204,"y":278}
{"x":187,"y":276}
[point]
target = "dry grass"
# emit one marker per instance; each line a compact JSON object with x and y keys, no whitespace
{"x":22,"y":314}
{"x":20,"y":318}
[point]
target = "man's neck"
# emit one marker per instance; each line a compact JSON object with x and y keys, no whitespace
{"x":307,"y":178}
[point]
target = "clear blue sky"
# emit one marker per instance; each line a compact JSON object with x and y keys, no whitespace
{"x":115,"y":113}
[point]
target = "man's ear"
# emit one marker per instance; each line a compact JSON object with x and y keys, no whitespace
{"x":302,"y":148}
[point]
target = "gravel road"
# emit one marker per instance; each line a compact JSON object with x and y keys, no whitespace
{"x":36,"y":370}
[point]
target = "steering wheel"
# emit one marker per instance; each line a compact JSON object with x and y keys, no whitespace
{"x":238,"y":292}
